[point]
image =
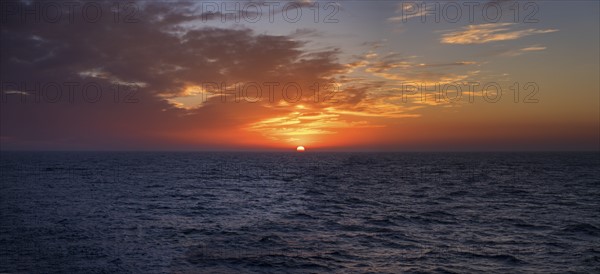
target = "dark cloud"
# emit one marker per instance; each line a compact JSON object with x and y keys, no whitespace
{"x":152,"y":59}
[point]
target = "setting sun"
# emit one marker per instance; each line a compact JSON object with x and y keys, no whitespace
{"x":300,"y":148}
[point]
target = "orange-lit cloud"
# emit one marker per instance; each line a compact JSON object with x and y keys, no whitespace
{"x":486,"y":33}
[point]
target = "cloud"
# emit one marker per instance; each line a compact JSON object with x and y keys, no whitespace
{"x":487,"y":33}
{"x":158,"y":62}
{"x":534,"y":48}
{"x":154,"y":74}
{"x":396,"y":67}
{"x":511,"y":52}
{"x":517,"y":52}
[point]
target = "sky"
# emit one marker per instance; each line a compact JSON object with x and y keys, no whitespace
{"x":268,"y":75}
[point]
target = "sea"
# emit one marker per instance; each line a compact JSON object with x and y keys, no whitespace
{"x":311,"y":212}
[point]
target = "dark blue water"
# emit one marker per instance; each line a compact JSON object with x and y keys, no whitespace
{"x":301,"y":213}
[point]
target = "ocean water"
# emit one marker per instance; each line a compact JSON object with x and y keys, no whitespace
{"x":85,"y":212}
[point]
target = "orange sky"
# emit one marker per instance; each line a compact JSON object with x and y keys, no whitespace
{"x":189,"y":83}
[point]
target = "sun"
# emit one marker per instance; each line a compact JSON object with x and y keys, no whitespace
{"x":300,"y":149}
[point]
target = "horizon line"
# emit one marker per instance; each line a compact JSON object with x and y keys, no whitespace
{"x":597,"y":150}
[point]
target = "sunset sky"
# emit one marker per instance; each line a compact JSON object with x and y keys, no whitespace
{"x":188,"y":76}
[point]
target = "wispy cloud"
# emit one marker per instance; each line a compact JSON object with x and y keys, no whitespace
{"x":396,"y":67}
{"x":511,"y":52}
{"x":487,"y":33}
{"x":534,"y":48}
{"x":517,"y":52}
